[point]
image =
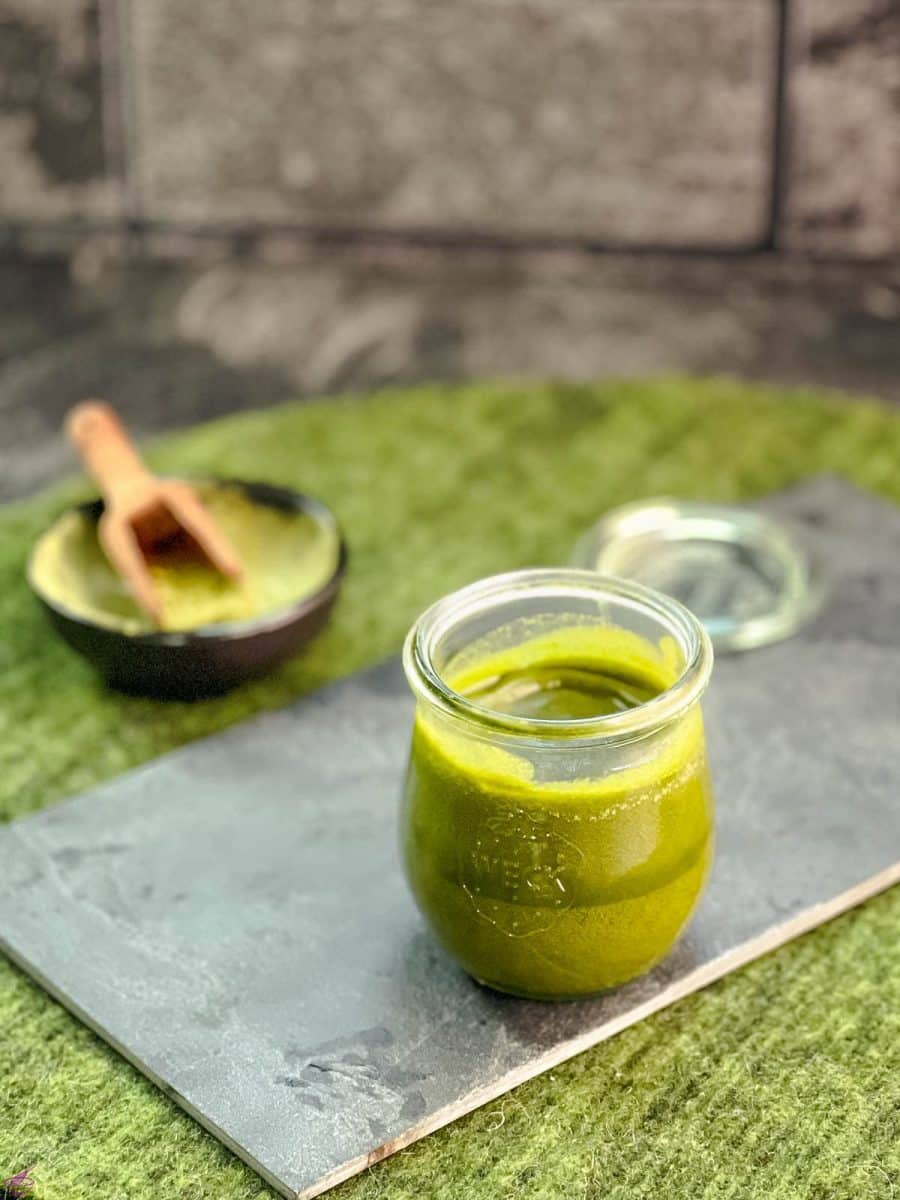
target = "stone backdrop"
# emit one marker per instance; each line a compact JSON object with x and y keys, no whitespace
{"x":637,"y":122}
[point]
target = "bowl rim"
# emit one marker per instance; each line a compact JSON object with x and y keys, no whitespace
{"x":225,"y":630}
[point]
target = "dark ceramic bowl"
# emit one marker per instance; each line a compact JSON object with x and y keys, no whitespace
{"x":213,"y":659}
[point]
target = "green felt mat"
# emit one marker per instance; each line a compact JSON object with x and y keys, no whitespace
{"x":782,"y":1081}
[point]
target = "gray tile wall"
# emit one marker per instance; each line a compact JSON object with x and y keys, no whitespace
{"x":635,"y":121}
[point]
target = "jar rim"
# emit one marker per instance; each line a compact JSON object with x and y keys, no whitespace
{"x":428,"y":684}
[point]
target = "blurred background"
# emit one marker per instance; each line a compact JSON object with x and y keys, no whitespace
{"x":231,"y":203}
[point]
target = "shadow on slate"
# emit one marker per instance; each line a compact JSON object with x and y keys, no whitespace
{"x":233,"y":919}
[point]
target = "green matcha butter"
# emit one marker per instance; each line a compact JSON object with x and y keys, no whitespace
{"x":555,"y":871}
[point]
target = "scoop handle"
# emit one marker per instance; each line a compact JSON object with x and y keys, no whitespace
{"x":105,"y":448}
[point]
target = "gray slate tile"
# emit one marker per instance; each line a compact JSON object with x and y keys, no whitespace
{"x":620,"y":120}
{"x":53,"y":144}
{"x":845,"y":178}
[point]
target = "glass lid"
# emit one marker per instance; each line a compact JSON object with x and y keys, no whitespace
{"x":749,"y":579}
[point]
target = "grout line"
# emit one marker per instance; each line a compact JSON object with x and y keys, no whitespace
{"x":119,"y":107}
{"x":249,"y":241}
{"x":781,"y":127}
{"x":247,"y":235}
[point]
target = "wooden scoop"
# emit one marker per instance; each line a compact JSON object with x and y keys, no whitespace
{"x":141,"y":513}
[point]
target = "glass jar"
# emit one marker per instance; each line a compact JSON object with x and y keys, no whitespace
{"x":557,"y":819}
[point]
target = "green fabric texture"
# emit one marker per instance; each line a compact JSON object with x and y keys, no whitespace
{"x":782,"y":1081}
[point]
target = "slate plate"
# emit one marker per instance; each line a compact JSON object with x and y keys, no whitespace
{"x":232,"y":917}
